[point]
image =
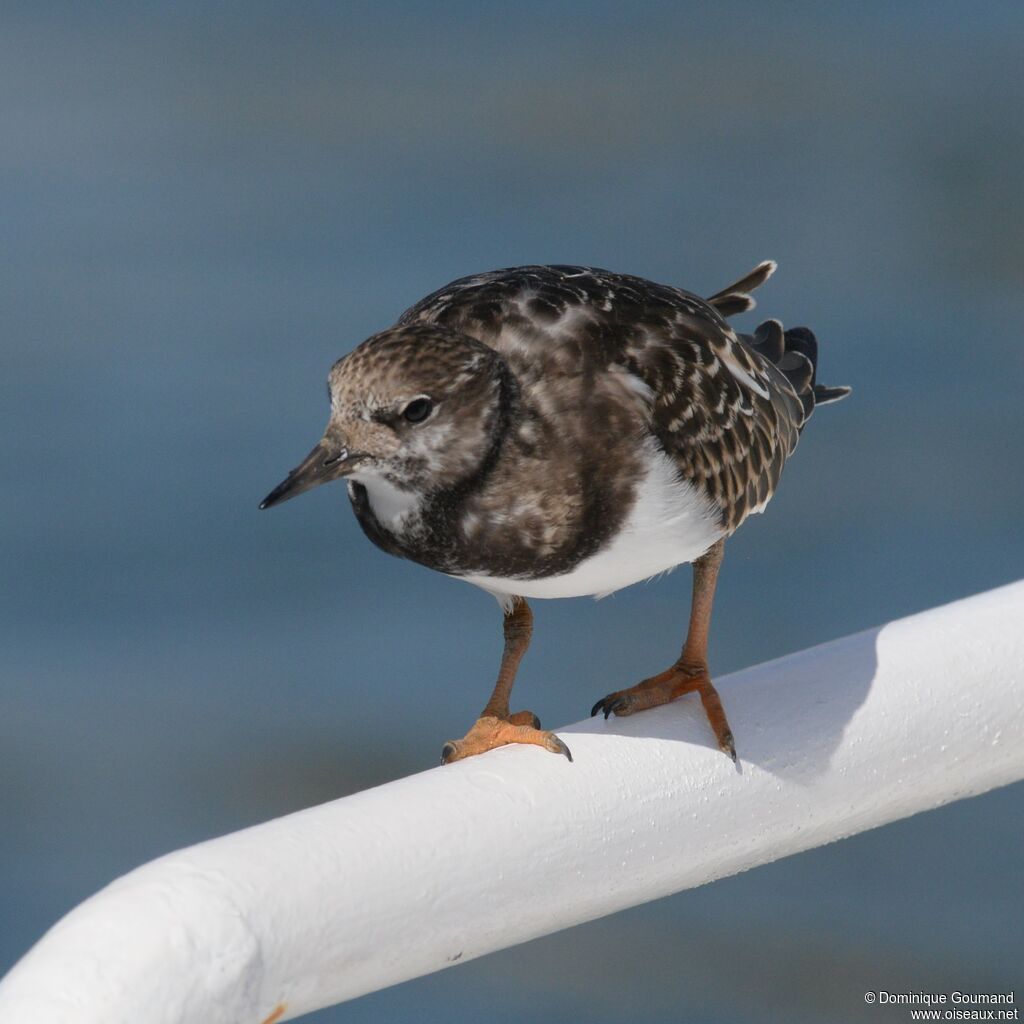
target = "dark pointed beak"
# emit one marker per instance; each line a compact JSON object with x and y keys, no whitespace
{"x":322,"y":464}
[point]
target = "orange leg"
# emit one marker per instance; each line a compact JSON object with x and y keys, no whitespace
{"x":496,"y":726}
{"x":690,"y":671}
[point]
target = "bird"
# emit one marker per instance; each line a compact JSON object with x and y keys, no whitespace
{"x":558,"y":431}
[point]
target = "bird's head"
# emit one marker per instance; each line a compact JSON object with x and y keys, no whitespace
{"x":417,"y":406}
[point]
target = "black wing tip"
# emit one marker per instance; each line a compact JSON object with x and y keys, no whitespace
{"x":824,"y":395}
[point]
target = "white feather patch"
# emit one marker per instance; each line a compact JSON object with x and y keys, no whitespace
{"x":670,"y":523}
{"x":391,"y":505}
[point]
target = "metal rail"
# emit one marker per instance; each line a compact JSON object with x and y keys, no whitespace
{"x":395,"y":882}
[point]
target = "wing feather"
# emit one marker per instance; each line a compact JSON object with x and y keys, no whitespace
{"x":726,"y":416}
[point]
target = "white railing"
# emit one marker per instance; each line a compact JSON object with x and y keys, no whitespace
{"x":338,"y":900}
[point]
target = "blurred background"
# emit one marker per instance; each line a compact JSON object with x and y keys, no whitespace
{"x":204,"y":205}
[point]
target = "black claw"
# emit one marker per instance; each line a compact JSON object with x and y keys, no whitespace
{"x":728,"y":747}
{"x":563,"y":749}
{"x":609,"y":706}
{"x":447,"y":751}
{"x":536,"y":722}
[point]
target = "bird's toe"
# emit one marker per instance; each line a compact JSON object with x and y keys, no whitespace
{"x":491,"y":731}
{"x":614,"y":704}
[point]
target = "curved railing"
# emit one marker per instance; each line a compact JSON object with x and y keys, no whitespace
{"x":342,"y":899}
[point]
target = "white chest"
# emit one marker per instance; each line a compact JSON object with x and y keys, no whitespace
{"x":670,"y":523}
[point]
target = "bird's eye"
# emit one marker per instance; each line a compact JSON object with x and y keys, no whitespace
{"x":418,"y":410}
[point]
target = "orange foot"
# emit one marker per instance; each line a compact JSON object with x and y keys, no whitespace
{"x":490,"y":732}
{"x":666,"y":686}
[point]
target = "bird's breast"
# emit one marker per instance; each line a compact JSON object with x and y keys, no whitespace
{"x":667,"y":522}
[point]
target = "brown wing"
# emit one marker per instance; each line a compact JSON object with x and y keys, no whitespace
{"x":721,"y":410}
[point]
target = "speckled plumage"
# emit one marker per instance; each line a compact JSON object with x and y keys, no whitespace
{"x":572,"y":368}
{"x":555,"y":431}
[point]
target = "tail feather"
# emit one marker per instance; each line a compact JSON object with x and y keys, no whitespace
{"x":802,"y":340}
{"x":824,"y":395}
{"x":736,"y":297}
{"x":799,"y":371}
{"x":770,"y":341}
{"x":795,"y":354}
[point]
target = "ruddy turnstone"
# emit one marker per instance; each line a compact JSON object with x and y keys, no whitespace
{"x":557,"y":431}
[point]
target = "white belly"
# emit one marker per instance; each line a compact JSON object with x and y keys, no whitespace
{"x":670,"y":523}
